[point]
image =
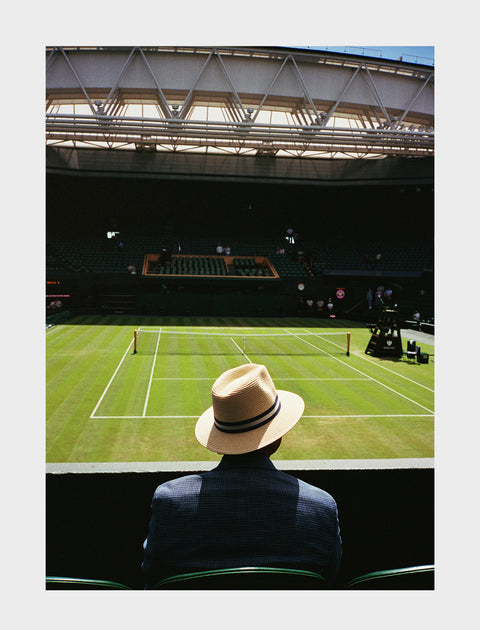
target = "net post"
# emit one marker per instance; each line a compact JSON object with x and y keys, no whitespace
{"x":135,"y":335}
{"x":348,"y":343}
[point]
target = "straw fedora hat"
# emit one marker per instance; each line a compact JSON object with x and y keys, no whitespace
{"x":247,"y":413}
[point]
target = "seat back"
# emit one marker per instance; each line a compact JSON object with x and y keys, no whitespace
{"x":408,"y":578}
{"x":248,"y":578}
{"x":412,"y":349}
{"x":81,"y":584}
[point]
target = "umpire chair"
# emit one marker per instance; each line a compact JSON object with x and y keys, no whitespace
{"x":386,"y":340}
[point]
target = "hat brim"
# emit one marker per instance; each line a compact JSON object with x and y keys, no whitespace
{"x":292,"y":408}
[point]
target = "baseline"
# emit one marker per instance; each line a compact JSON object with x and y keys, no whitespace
{"x":278,"y":378}
{"x":355,"y":415}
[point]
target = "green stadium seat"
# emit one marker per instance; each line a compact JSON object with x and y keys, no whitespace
{"x":81,"y":584}
{"x":248,"y":578}
{"x":408,"y":578}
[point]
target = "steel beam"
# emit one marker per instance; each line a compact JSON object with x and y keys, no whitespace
{"x":241,"y":84}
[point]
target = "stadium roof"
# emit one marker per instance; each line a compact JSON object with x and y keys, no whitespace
{"x":240,"y":101}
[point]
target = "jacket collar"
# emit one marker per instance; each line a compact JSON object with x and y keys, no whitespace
{"x":247,"y":460}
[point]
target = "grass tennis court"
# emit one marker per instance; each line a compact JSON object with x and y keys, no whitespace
{"x":106,"y":403}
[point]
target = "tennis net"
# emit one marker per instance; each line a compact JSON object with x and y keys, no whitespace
{"x":168,"y":342}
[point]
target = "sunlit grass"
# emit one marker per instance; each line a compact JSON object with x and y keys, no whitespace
{"x":106,"y":404}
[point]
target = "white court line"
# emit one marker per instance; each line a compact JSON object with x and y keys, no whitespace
{"x":287,"y":378}
{"x":397,"y":415}
{"x":240,"y":349}
{"x":363,"y":373}
{"x":151,"y":374}
{"x":142,"y":417}
{"x":278,"y":378}
{"x":110,"y":382}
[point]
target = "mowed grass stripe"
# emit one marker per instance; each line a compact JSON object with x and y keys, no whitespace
{"x":189,"y":396}
{"x":73,"y":437}
{"x":176,"y":400}
{"x":83,"y":348}
{"x":73,"y":385}
{"x":305,"y":366}
{"x":127,"y":393}
{"x":368,"y":438}
{"x":418,"y":393}
{"x":404,"y":371}
{"x":349,"y":397}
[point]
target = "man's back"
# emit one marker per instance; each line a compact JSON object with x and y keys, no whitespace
{"x":243,"y":513}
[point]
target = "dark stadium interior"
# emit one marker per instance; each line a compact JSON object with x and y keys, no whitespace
{"x":336,"y":227}
{"x":106,"y":515}
{"x":82,"y":205}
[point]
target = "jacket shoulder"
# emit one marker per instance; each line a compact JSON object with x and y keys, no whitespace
{"x":180,"y":485}
{"x":310,"y":493}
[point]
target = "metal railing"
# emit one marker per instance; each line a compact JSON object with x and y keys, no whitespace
{"x":267,"y":137}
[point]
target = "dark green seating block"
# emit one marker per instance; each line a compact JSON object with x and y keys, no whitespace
{"x":408,"y":578}
{"x":248,"y":578}
{"x":81,"y":584}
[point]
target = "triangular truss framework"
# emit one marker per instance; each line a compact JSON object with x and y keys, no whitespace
{"x":310,"y":128}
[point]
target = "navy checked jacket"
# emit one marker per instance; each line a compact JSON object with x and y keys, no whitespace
{"x":244,"y":512}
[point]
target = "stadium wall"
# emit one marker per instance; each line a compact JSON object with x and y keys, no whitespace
{"x":92,"y":294}
{"x":96,"y":522}
{"x":190,"y":167}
